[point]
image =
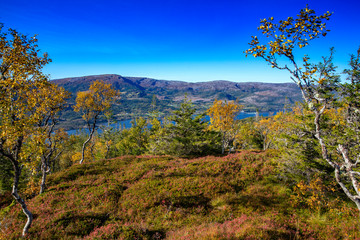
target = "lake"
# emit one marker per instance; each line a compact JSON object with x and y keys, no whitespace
{"x":127,"y":123}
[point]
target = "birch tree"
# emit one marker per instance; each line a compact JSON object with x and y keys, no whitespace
{"x":92,"y":103}
{"x":25,"y":96}
{"x":222,"y":117}
{"x":321,"y":90}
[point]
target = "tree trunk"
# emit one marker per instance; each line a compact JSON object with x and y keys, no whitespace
{"x":107,"y":150}
{"x":86,"y":142}
{"x":355,"y":199}
{"x":46,"y":162}
{"x":15,"y":194}
{"x":13,"y":157}
{"x":223,"y":144}
{"x":44,"y":167}
{"x":337,"y":169}
{"x":266,"y":144}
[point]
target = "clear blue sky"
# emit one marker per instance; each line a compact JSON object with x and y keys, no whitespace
{"x":186,"y":40}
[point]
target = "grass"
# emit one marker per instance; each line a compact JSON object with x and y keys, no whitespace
{"x":148,"y":197}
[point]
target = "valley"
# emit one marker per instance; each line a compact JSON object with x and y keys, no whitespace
{"x":141,"y":96}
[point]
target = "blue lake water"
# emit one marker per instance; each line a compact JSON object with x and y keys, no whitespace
{"x":127,"y":123}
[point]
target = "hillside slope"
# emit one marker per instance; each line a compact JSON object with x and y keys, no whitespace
{"x":231,"y":197}
{"x":137,"y":94}
{"x":205,"y":91}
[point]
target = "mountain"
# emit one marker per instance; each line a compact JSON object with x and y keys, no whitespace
{"x":137,"y":94}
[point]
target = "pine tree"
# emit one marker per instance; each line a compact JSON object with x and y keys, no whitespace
{"x":185,"y":133}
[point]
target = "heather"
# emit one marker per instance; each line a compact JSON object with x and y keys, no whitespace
{"x":238,"y":196}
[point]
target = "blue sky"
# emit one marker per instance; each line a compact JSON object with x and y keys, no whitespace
{"x":185,"y":40}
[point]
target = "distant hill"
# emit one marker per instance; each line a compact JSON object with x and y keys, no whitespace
{"x":137,"y":94}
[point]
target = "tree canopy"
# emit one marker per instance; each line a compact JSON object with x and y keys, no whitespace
{"x":321,"y":90}
{"x":97,"y":100}
{"x":27,"y":100}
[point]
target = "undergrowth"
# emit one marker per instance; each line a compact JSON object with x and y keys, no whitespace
{"x":147,"y":197}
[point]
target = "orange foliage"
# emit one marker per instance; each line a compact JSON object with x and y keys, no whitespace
{"x":222,"y":115}
{"x":96,"y":100}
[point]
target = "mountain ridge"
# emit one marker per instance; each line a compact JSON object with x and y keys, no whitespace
{"x":137,"y":94}
{"x":147,"y":82}
{"x":150,"y":85}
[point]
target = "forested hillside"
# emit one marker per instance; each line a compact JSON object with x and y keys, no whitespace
{"x":141,"y":95}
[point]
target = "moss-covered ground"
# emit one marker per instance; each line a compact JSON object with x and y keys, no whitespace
{"x":234,"y":197}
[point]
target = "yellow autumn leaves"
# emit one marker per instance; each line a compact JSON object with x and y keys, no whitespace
{"x":96,"y":100}
{"x":222,"y":115}
{"x":285,"y":35}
